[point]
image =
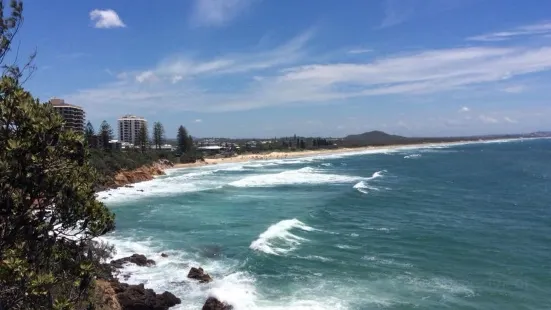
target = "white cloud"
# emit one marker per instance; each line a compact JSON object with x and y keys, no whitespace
{"x":198,"y":120}
{"x":146,"y":76}
{"x":528,"y":30}
{"x":510,"y":120}
{"x":176,"y":78}
{"x":106,"y":19}
{"x":273,"y":77}
{"x":488,"y":120}
{"x":515,"y":89}
{"x":360,"y":51}
{"x":217,"y":12}
{"x":464,"y":109}
{"x":181,"y":67}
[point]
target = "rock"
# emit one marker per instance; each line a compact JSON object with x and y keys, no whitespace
{"x":129,"y":186}
{"x":137,"y":259}
{"x":215,"y":304}
{"x":140,"y":190}
{"x":199,"y":274}
{"x":137,"y":297}
{"x":105,"y":297}
{"x":164,"y":255}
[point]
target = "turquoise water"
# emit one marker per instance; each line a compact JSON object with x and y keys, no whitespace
{"x":446,"y":227}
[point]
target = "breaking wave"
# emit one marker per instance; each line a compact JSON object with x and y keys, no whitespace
{"x":278,"y":239}
{"x":306,"y":175}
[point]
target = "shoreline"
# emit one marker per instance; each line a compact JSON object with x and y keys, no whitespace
{"x":300,"y":154}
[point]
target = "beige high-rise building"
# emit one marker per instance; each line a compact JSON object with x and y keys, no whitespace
{"x":73,"y":115}
{"x":129,"y":128}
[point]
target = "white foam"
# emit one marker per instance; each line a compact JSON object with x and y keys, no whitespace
{"x":346,"y":247}
{"x":364,"y":187}
{"x":317,"y":257}
{"x":306,"y":175}
{"x":412,"y":156}
{"x":278,"y":239}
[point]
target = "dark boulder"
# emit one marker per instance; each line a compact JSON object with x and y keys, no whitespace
{"x":215,"y":304}
{"x":136,"y":297}
{"x":137,"y":259}
{"x":199,"y":274}
{"x":164,"y":255}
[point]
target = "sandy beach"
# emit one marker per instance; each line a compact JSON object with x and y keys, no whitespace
{"x":297,"y":154}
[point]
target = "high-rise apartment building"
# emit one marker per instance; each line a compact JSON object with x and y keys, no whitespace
{"x":73,"y":115}
{"x":129,"y":128}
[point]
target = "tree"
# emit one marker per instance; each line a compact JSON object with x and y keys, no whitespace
{"x":185,"y":141}
{"x":181,"y":139}
{"x":48,"y":211}
{"x":158,"y":135}
{"x":105,"y":134}
{"x":88,"y":131}
{"x":142,"y":140}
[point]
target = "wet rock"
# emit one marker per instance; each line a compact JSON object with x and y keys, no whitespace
{"x":137,"y":297}
{"x":199,"y":274}
{"x":164,"y":255}
{"x":215,"y":304}
{"x":129,"y":186}
{"x":140,"y":190}
{"x":136,"y":259}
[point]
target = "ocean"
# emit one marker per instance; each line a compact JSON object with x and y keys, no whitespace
{"x":463,"y":226}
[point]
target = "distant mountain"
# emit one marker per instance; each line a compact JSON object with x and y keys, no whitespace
{"x":376,"y":137}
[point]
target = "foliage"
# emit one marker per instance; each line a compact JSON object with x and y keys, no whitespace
{"x":48,"y":210}
{"x":185,"y":141}
{"x":47,"y":205}
{"x":105,"y":134}
{"x":142,"y":140}
{"x":88,"y":131}
{"x":109,"y":163}
{"x":158,"y":135}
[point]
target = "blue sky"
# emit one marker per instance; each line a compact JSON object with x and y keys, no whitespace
{"x":265,"y":68}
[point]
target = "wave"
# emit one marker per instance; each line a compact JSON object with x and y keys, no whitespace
{"x":412,"y":156}
{"x":243,"y":289}
{"x":278,"y":239}
{"x":363,"y":187}
{"x":306,"y":175}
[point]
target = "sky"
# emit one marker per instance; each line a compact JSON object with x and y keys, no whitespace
{"x":270,"y":68}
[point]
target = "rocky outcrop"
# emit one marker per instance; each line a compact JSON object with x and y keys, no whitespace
{"x":199,"y":274}
{"x":215,"y":304}
{"x":137,"y":297}
{"x":113,"y":295}
{"x":137,"y":259}
{"x":105,"y":297}
{"x":145,"y":173}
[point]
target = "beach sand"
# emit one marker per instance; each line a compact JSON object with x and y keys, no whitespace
{"x":296,"y":154}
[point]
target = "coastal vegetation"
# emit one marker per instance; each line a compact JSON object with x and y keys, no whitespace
{"x":48,"y":212}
